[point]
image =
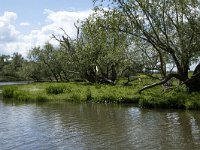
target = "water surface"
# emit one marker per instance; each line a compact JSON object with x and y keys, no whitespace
{"x":96,"y":126}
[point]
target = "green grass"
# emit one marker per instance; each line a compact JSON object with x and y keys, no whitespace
{"x":55,"y":89}
{"x":8,"y":91}
{"x":177,"y":98}
{"x":77,"y":92}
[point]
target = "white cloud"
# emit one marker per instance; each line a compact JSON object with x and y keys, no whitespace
{"x":65,"y":20}
{"x":12,"y":40}
{"x":8,"y":17}
{"x":8,"y":33}
{"x":24,"y":24}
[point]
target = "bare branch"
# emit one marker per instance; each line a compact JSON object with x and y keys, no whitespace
{"x":168,"y":77}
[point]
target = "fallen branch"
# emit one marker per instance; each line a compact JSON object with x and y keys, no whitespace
{"x":168,"y":77}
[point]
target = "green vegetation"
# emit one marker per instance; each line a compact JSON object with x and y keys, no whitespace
{"x":132,"y":40}
{"x":8,"y":92}
{"x":77,"y":92}
{"x":126,"y":39}
{"x":55,"y":89}
{"x":177,"y":98}
{"x":16,"y":94}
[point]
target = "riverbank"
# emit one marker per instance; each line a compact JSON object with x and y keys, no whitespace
{"x":177,"y":98}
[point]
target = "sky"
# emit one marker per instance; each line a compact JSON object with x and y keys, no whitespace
{"x":28,"y":23}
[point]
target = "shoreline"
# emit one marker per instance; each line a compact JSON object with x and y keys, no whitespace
{"x":97,"y":93}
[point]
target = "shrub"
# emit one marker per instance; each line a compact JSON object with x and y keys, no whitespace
{"x":77,"y":97}
{"x":175,"y":101}
{"x":8,"y":92}
{"x":193,"y":105}
{"x":146,"y":102}
{"x":21,"y":96}
{"x":133,"y":99}
{"x":55,"y":89}
{"x":40,"y":98}
{"x":88,"y":95}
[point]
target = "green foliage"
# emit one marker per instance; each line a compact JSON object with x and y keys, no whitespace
{"x":193,"y":101}
{"x":83,"y":92}
{"x":21,"y":96}
{"x":88,"y":95}
{"x":41,"y":98}
{"x":75,"y":97}
{"x":193,"y":105}
{"x":55,"y":89}
{"x":10,"y":67}
{"x":170,"y":99}
{"x":8,"y":91}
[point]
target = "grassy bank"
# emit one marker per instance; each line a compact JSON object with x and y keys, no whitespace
{"x":84,"y":92}
{"x":77,"y":92}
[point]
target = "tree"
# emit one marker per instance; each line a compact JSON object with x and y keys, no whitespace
{"x":17,"y":61}
{"x":43,"y":57}
{"x":10,"y":66}
{"x":102,"y":51}
{"x":170,"y":27}
{"x":96,"y":54}
{"x":4,"y":60}
{"x":68,"y":55}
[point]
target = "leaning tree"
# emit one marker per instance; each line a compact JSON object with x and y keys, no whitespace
{"x":171,"y":27}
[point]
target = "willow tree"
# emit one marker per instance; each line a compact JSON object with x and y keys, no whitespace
{"x":102,"y":52}
{"x":171,"y":27}
{"x":50,"y":60}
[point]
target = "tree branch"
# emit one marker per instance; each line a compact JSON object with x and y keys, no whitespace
{"x":168,"y":77}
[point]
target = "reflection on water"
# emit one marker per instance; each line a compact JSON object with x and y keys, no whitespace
{"x":96,"y":126}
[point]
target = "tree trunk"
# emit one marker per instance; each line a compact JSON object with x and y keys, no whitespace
{"x":60,"y":76}
{"x":55,"y":76}
{"x":50,"y":78}
{"x":52,"y":71}
{"x":168,"y":77}
{"x":193,"y":83}
{"x":90,"y":75}
{"x":113,"y":73}
{"x":65,"y":74}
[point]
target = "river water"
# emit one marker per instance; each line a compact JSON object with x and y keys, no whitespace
{"x":96,"y":126}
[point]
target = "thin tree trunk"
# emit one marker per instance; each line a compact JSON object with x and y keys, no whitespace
{"x":66,"y":78}
{"x":51,"y":70}
{"x":60,"y":76}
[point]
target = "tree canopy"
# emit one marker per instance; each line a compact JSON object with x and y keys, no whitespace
{"x":170,"y":27}
{"x":127,"y":37}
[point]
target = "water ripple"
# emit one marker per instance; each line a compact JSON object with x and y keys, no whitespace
{"x":93,"y":126}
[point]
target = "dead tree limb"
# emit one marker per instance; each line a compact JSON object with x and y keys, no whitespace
{"x":168,"y":77}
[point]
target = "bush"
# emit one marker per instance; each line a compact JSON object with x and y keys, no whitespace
{"x":55,"y":89}
{"x":40,"y":98}
{"x":77,"y":97}
{"x":88,"y":95}
{"x":193,"y":102}
{"x":8,"y":92}
{"x":147,"y":102}
{"x":166,"y":100}
{"x":21,"y":96}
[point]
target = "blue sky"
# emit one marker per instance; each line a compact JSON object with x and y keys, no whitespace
{"x":33,"y":10}
{"x":28,"y":23}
